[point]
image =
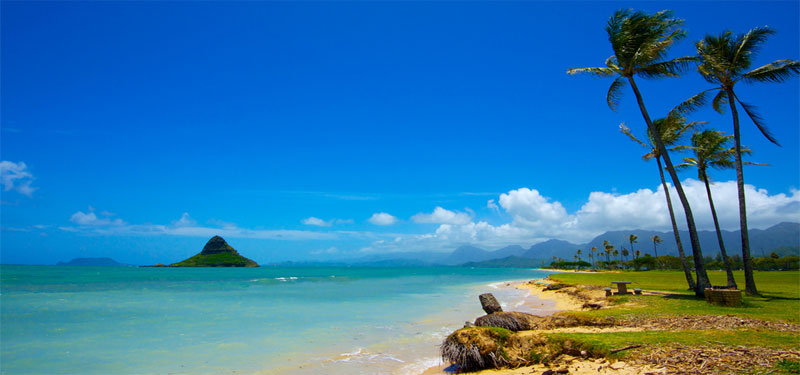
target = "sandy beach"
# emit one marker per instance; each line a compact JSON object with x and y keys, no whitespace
{"x":574,"y":365}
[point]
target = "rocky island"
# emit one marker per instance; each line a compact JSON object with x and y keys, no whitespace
{"x":216,"y":253}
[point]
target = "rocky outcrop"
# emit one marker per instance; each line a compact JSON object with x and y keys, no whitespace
{"x":489,"y":303}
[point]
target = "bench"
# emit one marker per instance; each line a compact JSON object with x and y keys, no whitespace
{"x":622,"y":286}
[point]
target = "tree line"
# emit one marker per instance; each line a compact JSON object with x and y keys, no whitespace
{"x":640,"y":44}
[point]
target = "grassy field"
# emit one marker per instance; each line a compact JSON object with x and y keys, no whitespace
{"x":780,"y":298}
{"x":780,"y":301}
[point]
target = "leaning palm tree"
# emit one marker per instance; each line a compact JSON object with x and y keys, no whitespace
{"x":711,"y":151}
{"x":724,"y":61}
{"x":671,"y":130}
{"x":640,"y":42}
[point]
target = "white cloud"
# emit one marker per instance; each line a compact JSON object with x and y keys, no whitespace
{"x":90,"y":219}
{"x":382,"y":218}
{"x":330,"y":250}
{"x":492,"y":206}
{"x":442,"y":216}
{"x":15,"y":176}
{"x":535,"y":218}
{"x":185,"y":221}
{"x":185,"y":226}
{"x":316,"y":222}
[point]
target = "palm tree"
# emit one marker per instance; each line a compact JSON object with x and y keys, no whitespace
{"x":637,"y":254}
{"x":625,"y":253}
{"x":656,"y":240}
{"x":724,"y":61}
{"x":671,"y":129}
{"x":593,"y":250}
{"x":711,"y":151}
{"x":591,"y":256}
{"x":640,"y":42}
{"x":609,"y":248}
{"x":633,"y":239}
{"x":578,"y":254}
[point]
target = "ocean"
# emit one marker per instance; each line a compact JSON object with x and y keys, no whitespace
{"x":267,"y":320}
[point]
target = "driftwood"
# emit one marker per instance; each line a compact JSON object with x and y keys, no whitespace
{"x":612,"y":351}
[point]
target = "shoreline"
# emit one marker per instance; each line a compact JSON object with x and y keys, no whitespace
{"x":536,"y":289}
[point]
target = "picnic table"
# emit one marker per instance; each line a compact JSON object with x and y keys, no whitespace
{"x":622,"y":286}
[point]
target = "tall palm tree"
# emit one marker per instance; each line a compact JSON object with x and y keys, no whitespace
{"x":656,"y":240}
{"x":711,"y":151}
{"x":640,"y":42}
{"x":625,"y":253}
{"x":724,"y":61}
{"x":578,"y":254}
{"x":591,"y":256}
{"x":671,"y":129}
{"x":593,"y":250}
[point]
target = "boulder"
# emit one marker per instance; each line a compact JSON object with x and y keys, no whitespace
{"x":489,"y":303}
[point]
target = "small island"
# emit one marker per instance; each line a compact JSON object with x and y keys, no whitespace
{"x":216,"y":253}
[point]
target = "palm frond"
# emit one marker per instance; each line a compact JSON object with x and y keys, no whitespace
{"x":597,"y":71}
{"x":615,"y":93}
{"x":719,"y":101}
{"x":692,"y":104}
{"x":748,"y":45}
{"x":751,"y":111}
{"x":625,"y":130}
{"x":671,"y":68}
{"x":774,"y":72}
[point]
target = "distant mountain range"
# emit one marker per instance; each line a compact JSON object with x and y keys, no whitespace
{"x":783,"y":238}
{"x":91,"y":262}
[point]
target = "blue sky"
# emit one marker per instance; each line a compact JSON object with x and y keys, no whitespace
{"x":145,"y":128}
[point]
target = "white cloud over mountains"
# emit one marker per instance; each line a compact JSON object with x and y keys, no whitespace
{"x":16,"y":177}
{"x":535,"y":218}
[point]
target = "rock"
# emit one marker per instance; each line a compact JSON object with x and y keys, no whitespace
{"x":489,"y":303}
{"x":618,"y":365}
{"x":468,"y":324}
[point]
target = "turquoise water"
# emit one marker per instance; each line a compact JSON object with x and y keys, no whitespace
{"x":128,"y":320}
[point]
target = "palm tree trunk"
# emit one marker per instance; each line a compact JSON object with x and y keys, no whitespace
{"x":747,"y":262}
{"x":697,"y":253}
{"x":684,"y":263}
{"x":725,"y":260}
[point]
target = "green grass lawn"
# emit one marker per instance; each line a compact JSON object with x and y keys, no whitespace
{"x":780,"y":301}
{"x":780,"y":294}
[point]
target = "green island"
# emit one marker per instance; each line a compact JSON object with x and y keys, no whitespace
{"x":216,"y":253}
{"x":666,"y":329}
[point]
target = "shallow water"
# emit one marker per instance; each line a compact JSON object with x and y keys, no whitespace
{"x":268,"y":320}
